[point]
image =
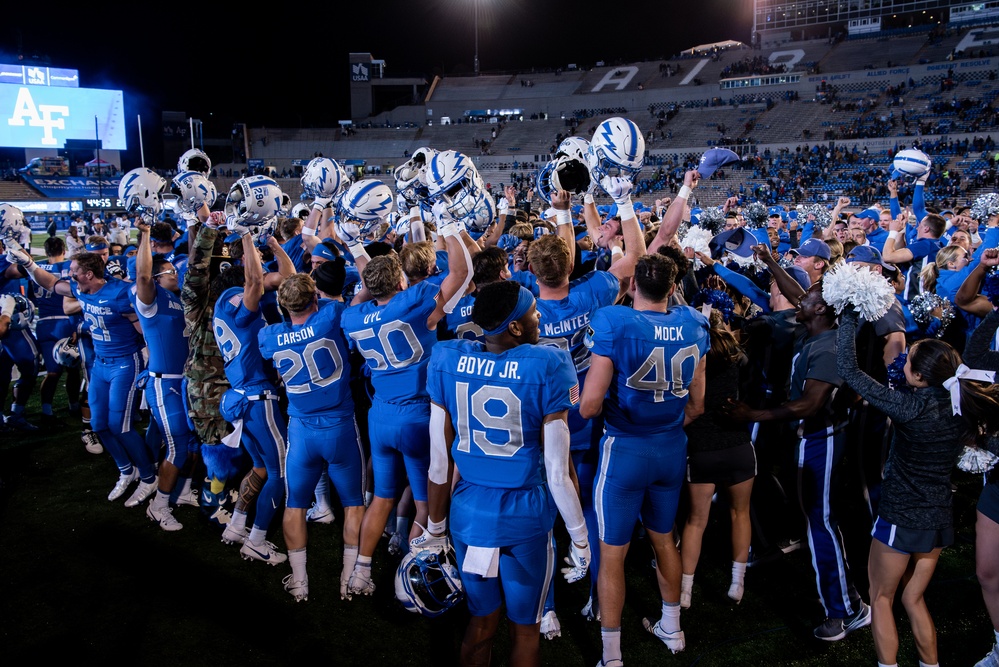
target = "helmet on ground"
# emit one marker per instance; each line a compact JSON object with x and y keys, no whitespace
{"x":427,"y":583}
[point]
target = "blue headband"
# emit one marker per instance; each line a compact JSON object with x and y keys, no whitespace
{"x":93,"y":247}
{"x":322,"y":252}
{"x":524,"y":301}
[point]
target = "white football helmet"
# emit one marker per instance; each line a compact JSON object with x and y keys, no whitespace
{"x":193,"y":189}
{"x":616,"y":149}
{"x":11,"y":222}
{"x":570,"y":174}
{"x":253,"y":200}
{"x":453,"y":179}
{"x":574,"y":147}
{"x":299,"y":208}
{"x":411,"y":177}
{"x":139,"y":191}
{"x":66,"y":353}
{"x":323,"y":177}
{"x":543,"y":184}
{"x":428,"y":583}
{"x":195,"y":160}
{"x":368,"y":202}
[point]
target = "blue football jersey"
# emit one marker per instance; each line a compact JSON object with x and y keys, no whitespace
{"x":654,"y":355}
{"x":312,"y":359}
{"x":48,"y":303}
{"x":395,"y":341}
{"x":163,"y":329}
{"x":236,"y":328}
{"x":459,"y":321}
{"x":104,"y":314}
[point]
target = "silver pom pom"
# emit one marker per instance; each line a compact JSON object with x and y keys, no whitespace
{"x":712,"y":219}
{"x":820,"y":214}
{"x":850,"y":285}
{"x":985,"y":207}
{"x":927,"y":306}
{"x":756,"y":215}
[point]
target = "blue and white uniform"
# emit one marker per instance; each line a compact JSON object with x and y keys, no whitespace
{"x":117,"y":364}
{"x":252,"y":403}
{"x":396,"y":343}
{"x":312,"y":359}
{"x":643,"y":453}
{"x":51,"y":323}
{"x":497,"y":404}
{"x":162,"y":325}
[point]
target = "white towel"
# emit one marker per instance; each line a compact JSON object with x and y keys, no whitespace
{"x":483,"y":561}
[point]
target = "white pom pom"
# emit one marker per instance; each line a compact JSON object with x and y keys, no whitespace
{"x":868,"y":292}
{"x":698,"y":239}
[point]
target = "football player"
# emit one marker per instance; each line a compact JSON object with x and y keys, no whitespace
{"x":650,"y":358}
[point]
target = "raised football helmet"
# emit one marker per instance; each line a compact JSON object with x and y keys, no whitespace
{"x":428,"y":583}
{"x":616,"y":149}
{"x":411,"y":177}
{"x":570,"y":174}
{"x":543,"y":184}
{"x":195,"y":160}
{"x":323,"y":177}
{"x":193,"y":189}
{"x":573,"y":147}
{"x":482,"y":215}
{"x":139,"y":191}
{"x":11,"y":222}
{"x":253,"y":201}
{"x":450,"y":176}
{"x":66,"y":353}
{"x":368,"y":202}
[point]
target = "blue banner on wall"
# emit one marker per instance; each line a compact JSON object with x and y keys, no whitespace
{"x":74,"y":187}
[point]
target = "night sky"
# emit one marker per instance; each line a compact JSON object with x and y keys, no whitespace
{"x":286,"y":64}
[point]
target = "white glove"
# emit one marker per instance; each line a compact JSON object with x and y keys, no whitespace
{"x":922,"y":179}
{"x":425,"y":541}
{"x":441,"y":214}
{"x":16,"y":254}
{"x":578,"y":561}
{"x":7,"y":304}
{"x":349,"y":232}
{"x":320,"y":203}
{"x":235,"y":228}
{"x":503,"y":207}
{"x":618,"y":187}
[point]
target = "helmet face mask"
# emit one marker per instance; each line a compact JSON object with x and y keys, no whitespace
{"x":543,"y":185}
{"x":428,"y":583}
{"x":140,"y":191}
{"x":571,"y":175}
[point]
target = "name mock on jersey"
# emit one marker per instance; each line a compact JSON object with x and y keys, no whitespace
{"x":485,"y":367}
{"x":295,"y":336}
{"x":669,"y":333}
{"x":565,"y":326}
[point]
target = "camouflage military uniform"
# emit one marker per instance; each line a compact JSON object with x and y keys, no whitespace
{"x":206,"y":380}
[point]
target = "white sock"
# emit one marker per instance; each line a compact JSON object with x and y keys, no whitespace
{"x":238,"y":520}
{"x":160,"y":500}
{"x":670,"y":621}
{"x":323,"y":491}
{"x":738,"y":572}
{"x":687,"y":583}
{"x":296,"y":557}
{"x":881,"y":664}
{"x":363,"y":562}
{"x":349,"y":558}
{"x":257,"y":536}
{"x":612,"y":643}
{"x":185,"y":488}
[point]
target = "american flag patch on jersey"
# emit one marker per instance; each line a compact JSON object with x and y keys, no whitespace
{"x":236,"y":299}
{"x":574,"y":394}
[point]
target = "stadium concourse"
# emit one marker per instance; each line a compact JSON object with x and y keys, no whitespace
{"x":630,"y":386}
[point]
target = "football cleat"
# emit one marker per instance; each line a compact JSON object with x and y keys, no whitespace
{"x":317,"y":515}
{"x":297,"y":589}
{"x":674,"y":641}
{"x":142,"y":493}
{"x":124,"y":481}
{"x":165,"y":518}
{"x":360,"y":582}
{"x":265,"y":552}
{"x":92,"y":443}
{"x":189,"y":497}
{"x":233,"y":535}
